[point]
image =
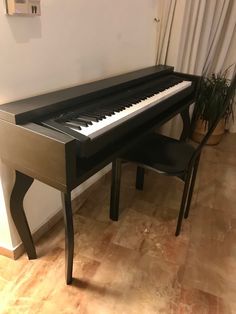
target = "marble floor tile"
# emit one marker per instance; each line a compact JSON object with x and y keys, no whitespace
{"x":218,"y":225}
{"x":210,"y":264}
{"x":232,"y":307}
{"x":92,"y":238}
{"x":194,"y":301}
{"x":225,"y":189}
{"x":124,"y":290}
{"x":214,"y":155}
{"x":206,"y":191}
{"x":228,"y":143}
{"x":153,"y":237}
{"x":41,"y":288}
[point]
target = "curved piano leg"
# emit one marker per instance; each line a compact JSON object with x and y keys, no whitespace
{"x":69,"y":235}
{"x":21,"y":186}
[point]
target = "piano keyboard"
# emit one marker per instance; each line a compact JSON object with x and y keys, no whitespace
{"x":95,"y":124}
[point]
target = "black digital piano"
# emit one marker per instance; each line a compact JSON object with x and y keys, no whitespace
{"x":64,"y":137}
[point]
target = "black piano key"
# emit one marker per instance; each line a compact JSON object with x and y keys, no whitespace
{"x":88,"y":118}
{"x":94,"y":115}
{"x":129,"y":105}
{"x":73,"y":125}
{"x":99,"y":115}
{"x":87,"y":121}
{"x":106,"y":112}
{"x":122,"y":105}
{"x":118,"y":109}
{"x":80,"y":122}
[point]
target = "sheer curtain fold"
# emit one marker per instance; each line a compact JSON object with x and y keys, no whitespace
{"x":206,"y":42}
{"x":166,"y":9}
{"x":191,"y":36}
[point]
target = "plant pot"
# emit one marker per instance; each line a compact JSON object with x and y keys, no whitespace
{"x":201,"y":130}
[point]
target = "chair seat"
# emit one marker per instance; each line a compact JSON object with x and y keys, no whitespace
{"x":162,"y":153}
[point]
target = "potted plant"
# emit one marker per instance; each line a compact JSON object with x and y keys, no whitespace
{"x":211,"y":101}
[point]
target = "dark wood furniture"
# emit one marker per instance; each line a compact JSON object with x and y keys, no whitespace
{"x":37,"y":146}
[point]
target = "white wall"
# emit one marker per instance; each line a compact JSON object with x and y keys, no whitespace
{"x":5,"y":234}
{"x":72,"y":42}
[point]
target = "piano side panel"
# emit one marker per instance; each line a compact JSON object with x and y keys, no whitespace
{"x":40,"y":153}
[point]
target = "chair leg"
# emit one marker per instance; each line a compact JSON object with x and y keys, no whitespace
{"x":139,"y":178}
{"x":115,"y":190}
{"x":192,"y":184}
{"x":183,"y":201}
{"x":69,"y":235}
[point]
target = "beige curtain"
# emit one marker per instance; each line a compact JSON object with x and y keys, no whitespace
{"x":166,"y":9}
{"x":196,"y":36}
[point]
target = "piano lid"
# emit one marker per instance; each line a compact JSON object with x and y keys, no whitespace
{"x":26,"y":110}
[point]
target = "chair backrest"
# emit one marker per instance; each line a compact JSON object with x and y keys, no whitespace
{"x":228,"y":96}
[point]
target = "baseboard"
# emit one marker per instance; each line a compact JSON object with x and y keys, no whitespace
{"x":78,"y":199}
{"x":7,"y":252}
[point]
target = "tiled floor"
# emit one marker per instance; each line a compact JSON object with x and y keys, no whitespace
{"x":137,"y":265}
